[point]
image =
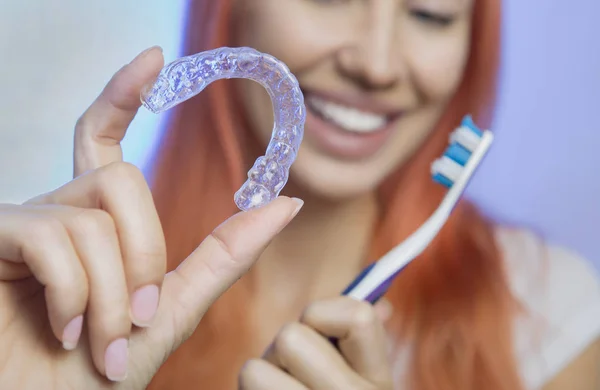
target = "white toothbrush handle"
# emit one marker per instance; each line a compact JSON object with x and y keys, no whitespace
{"x":374,"y":281}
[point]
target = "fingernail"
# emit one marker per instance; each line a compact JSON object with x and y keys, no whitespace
{"x":72,"y":333}
{"x":115,"y":360}
{"x":145,"y":53}
{"x":300,"y":203}
{"x":144,"y":303}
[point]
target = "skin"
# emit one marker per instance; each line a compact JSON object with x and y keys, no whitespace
{"x":81,"y":251}
{"x":92,"y":253}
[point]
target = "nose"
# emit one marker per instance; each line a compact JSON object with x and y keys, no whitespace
{"x":371,"y":57}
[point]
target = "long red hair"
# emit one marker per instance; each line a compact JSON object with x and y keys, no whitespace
{"x":452,"y":305}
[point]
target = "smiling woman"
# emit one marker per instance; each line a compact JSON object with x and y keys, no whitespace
{"x":376,"y":79}
{"x":384,"y":81}
{"x":83,"y":289}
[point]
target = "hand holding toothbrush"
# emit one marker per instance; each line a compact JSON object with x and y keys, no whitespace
{"x":301,"y":357}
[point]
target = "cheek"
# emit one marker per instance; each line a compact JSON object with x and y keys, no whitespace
{"x":299,"y":37}
{"x":437,"y":62}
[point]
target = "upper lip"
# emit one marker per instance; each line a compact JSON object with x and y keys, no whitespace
{"x":357,"y":101}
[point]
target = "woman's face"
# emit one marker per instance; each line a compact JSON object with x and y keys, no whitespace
{"x":376,"y":76}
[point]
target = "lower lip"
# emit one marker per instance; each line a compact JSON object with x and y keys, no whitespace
{"x":344,"y":144}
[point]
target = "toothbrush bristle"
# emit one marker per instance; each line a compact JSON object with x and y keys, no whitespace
{"x":443,"y":180}
{"x":468,"y":122}
{"x":463,"y":141}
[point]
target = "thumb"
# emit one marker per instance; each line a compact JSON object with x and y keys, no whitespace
{"x":221,"y":259}
{"x":100,"y":130}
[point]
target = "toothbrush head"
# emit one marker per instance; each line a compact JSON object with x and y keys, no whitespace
{"x":465,"y":141}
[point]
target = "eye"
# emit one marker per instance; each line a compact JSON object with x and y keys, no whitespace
{"x":433,"y":18}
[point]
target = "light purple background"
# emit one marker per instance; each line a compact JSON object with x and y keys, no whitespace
{"x":541,"y":170}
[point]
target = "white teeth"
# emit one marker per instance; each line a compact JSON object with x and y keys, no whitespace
{"x":347,"y":118}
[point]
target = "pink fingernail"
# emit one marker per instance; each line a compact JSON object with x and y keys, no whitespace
{"x":115,"y":360}
{"x":144,"y":303}
{"x":299,"y":203}
{"x":72,"y":332}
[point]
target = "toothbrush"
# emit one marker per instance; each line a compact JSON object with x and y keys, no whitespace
{"x":468,"y":146}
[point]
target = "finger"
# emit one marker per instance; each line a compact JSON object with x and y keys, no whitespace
{"x":384,"y":310}
{"x":361,"y":335}
{"x":101,"y":128}
{"x":260,"y":375}
{"x":10,"y":271}
{"x":311,"y":358}
{"x":44,"y":246}
{"x":95,"y":239}
{"x":221,"y":259}
{"x":121,"y":190}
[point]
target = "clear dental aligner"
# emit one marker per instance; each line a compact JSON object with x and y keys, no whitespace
{"x":188,"y":76}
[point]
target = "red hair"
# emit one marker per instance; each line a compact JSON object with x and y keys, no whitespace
{"x":453,"y":304}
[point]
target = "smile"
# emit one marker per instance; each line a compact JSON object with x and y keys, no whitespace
{"x":348,"y":118}
{"x":348,"y":126}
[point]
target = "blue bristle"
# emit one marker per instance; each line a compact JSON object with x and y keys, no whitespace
{"x":443,"y":180}
{"x":468,"y":122}
{"x":458,"y":153}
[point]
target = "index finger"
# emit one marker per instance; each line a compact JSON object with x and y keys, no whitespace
{"x":100,"y":130}
{"x":361,"y":335}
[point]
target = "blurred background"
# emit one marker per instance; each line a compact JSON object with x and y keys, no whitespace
{"x":56,"y":56}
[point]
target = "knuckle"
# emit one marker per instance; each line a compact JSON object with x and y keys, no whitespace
{"x":123,"y":172}
{"x":93,"y":222}
{"x":45,"y":230}
{"x":121,"y":178}
{"x":364,"y":316}
{"x":288,"y":338}
{"x":223,"y":244}
{"x":222,"y":267}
